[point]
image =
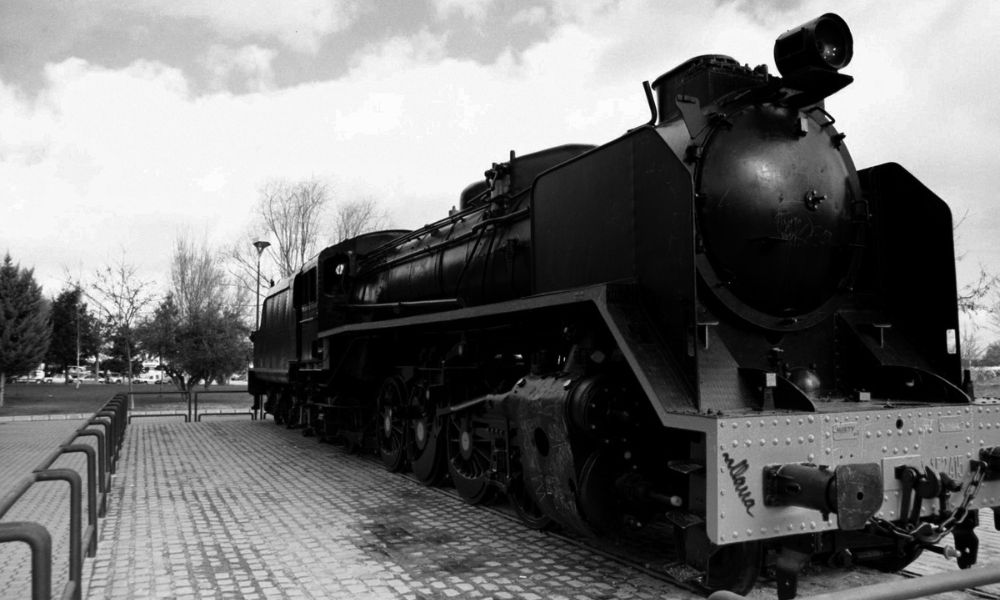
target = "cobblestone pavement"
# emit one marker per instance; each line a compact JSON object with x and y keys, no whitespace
{"x":251,"y":510}
{"x":241,"y":509}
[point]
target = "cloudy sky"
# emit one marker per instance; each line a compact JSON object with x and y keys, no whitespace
{"x":126,"y":122}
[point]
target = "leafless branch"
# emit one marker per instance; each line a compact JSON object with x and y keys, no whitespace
{"x":357,"y":217}
{"x":123,"y":296}
{"x":292,"y":213}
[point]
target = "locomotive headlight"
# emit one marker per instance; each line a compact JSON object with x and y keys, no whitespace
{"x":823,"y":43}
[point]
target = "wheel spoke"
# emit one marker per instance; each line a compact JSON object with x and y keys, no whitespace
{"x":390,"y":429}
{"x":424,"y":442}
{"x":469,"y":460}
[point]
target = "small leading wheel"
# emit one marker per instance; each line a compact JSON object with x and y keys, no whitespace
{"x":469,"y":460}
{"x":424,"y":447}
{"x":734,"y":567}
{"x":597,"y":496}
{"x":891,"y":560}
{"x":353,"y":427}
{"x":390,"y":404}
{"x":286,"y":412}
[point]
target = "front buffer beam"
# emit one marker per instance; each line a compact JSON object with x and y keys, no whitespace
{"x":853,"y":491}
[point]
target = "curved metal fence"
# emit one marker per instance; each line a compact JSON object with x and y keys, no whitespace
{"x":107,"y":425}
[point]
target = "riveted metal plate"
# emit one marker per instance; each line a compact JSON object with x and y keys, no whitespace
{"x":944,"y":438}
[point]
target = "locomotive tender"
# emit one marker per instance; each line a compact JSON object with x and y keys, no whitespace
{"x":714,"y":323}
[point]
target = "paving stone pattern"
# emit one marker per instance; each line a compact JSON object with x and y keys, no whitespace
{"x":251,"y":510}
{"x":242,"y":509}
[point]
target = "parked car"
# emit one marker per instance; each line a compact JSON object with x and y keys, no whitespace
{"x":54,"y":379}
{"x":113,"y":378}
{"x":36,"y":376}
{"x":154,"y":376}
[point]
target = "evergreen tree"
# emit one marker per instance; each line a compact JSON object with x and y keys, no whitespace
{"x":991,"y":357}
{"x":160,"y":335}
{"x":74,"y":330}
{"x":24,"y":322}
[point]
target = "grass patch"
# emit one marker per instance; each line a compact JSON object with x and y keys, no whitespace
{"x":57,"y":399}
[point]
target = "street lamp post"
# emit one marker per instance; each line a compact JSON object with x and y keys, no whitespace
{"x":260,"y":245}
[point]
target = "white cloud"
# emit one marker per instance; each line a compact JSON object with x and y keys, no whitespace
{"x":247,"y":68}
{"x":470,"y":9}
{"x":300,"y":25}
{"x":127,"y":157}
{"x":530,"y":16}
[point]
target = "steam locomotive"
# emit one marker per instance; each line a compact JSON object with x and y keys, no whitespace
{"x":714,"y":323}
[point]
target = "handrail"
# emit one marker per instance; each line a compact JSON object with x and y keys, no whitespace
{"x":197,"y":416}
{"x":917,"y":587}
{"x":185,"y":397}
{"x":193,"y":413}
{"x":113,"y":417}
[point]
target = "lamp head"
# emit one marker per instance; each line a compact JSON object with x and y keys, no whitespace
{"x":824,"y":43}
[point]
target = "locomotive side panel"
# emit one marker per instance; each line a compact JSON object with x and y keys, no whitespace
{"x":583,"y":228}
{"x":915,"y":267}
{"x":307,"y":312}
{"x":275,"y":340}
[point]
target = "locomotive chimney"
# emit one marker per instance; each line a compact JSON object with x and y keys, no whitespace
{"x":706,"y":78}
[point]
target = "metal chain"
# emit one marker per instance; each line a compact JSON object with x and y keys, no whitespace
{"x":929,"y":533}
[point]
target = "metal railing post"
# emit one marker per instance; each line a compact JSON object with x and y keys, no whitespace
{"x":75,"y":517}
{"x":114,"y":422}
{"x":109,"y":437}
{"x":38,"y":538}
{"x":91,"y":493}
{"x":103,"y":478}
{"x":120,"y":403}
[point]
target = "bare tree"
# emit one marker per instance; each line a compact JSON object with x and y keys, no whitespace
{"x":357,"y":217}
{"x":195,"y":278}
{"x":241,"y":264}
{"x":198,"y":281}
{"x":972,"y":346}
{"x":973,"y":297}
{"x":292,"y":214}
{"x":199,"y":328}
{"x":123,"y":296}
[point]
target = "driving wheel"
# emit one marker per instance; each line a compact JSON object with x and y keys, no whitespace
{"x":424,"y":447}
{"x":525,"y":505}
{"x":390,"y":404}
{"x":469,"y":462}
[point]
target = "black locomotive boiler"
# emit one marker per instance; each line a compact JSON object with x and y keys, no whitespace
{"x":714,"y":323}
